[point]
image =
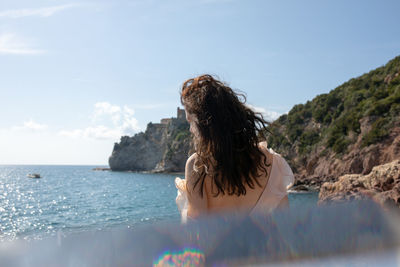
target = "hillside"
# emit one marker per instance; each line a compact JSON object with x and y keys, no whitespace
{"x":348,"y":130}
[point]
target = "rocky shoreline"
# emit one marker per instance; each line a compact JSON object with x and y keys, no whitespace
{"x":359,"y":160}
{"x":382,"y":185}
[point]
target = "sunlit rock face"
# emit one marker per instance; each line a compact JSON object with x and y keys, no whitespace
{"x":357,"y":160}
{"x":163,"y":147}
{"x":141,"y":152}
{"x":382,"y":184}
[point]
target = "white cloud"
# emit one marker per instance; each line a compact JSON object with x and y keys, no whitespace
{"x":95,"y":132}
{"x":73,"y":133}
{"x":128,"y":111}
{"x":31,"y":126}
{"x":267,"y":114}
{"x":39,"y":12}
{"x":120,"y":122}
{"x":105,"y":108}
{"x":12,"y":44}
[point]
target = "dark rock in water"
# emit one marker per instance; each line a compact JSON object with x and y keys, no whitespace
{"x":34,"y":175}
{"x":311,"y":183}
{"x":101,"y":169}
{"x":300,"y":188}
{"x":163,"y":147}
{"x":382,"y":184}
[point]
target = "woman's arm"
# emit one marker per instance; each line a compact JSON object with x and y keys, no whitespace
{"x":197,"y":204}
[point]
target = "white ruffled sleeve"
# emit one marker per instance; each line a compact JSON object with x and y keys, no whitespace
{"x":281,"y":177}
{"x":181,"y":198}
{"x":285,"y":175}
{"x":287,"y":178}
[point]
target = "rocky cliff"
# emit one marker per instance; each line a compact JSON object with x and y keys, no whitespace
{"x":350,"y":130}
{"x":163,"y":147}
{"x":382,"y":184}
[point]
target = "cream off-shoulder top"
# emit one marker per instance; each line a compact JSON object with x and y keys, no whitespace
{"x":280,"y":179}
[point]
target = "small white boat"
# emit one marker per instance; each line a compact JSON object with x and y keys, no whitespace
{"x":34,"y":175}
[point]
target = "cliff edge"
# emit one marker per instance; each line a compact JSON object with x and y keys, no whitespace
{"x":163,"y":147}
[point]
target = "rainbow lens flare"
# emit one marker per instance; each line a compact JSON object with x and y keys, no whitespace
{"x":187,"y":257}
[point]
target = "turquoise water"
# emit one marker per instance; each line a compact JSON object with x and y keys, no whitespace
{"x":76,"y":198}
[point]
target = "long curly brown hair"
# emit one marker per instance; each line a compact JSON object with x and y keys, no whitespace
{"x":227,"y":136}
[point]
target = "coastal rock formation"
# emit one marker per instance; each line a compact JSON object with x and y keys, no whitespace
{"x":359,"y":160}
{"x":350,"y":130}
{"x":382,"y":184}
{"x":163,"y":147}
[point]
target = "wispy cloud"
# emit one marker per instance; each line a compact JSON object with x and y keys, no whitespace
{"x":102,"y":109}
{"x":95,"y":132}
{"x":215,"y":1}
{"x":12,"y":44}
{"x":153,"y":106}
{"x":30,"y":126}
{"x":120,"y":121}
{"x":38,"y":12}
{"x":267,"y":114}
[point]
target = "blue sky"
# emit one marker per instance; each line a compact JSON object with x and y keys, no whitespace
{"x":75,"y":75}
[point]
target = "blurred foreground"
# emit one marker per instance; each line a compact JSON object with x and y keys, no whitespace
{"x":356,"y":233}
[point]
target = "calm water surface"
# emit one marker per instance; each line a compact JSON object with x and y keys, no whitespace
{"x":76,"y":198}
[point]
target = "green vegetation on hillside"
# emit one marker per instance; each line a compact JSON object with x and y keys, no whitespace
{"x":181,"y":132}
{"x":333,"y":120}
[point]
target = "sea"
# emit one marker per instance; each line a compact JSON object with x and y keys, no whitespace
{"x":73,"y":199}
